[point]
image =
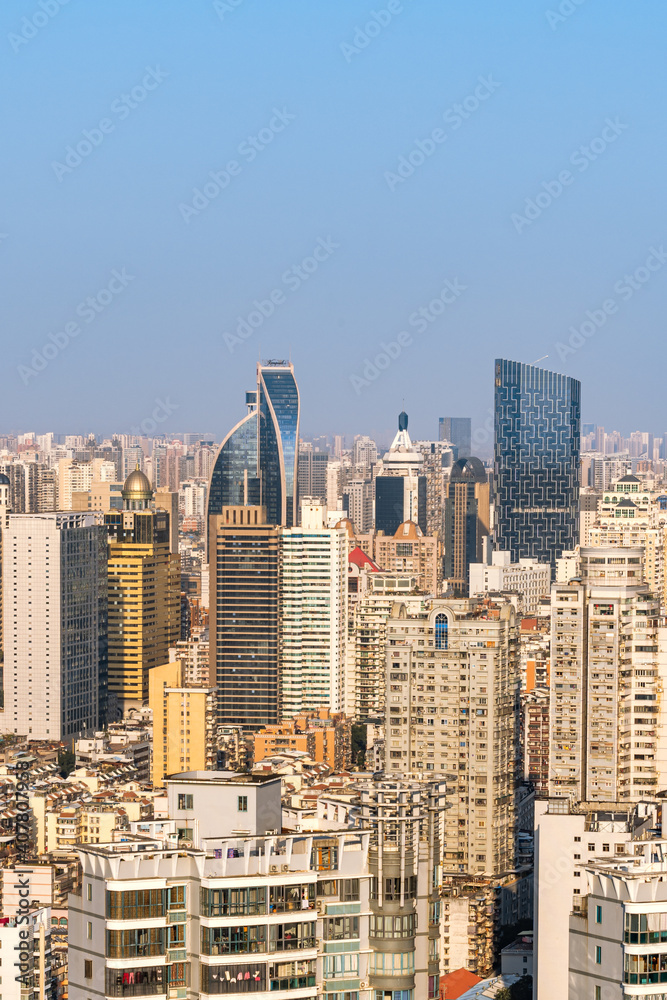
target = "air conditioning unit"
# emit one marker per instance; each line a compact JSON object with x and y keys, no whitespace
{"x":318,"y":942}
{"x":285,"y":868}
{"x":321,"y":906}
{"x":363,"y":985}
{"x":273,"y":869}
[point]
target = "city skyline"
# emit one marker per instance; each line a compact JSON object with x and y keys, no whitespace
{"x":368,"y":231}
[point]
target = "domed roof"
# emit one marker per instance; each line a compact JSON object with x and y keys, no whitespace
{"x":137,"y":482}
{"x":346,"y":523}
{"x":4,"y":480}
{"x":468,"y":469}
{"x":408,"y":530}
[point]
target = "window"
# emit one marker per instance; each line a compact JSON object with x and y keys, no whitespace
{"x":243,"y":804}
{"x":89,"y":891}
{"x":136,"y":904}
{"x":605,"y":847}
{"x":392,"y":927}
{"x":577,"y":840}
{"x":324,"y":856}
{"x":598,"y":955}
{"x":214,"y":981}
{"x":328,"y":887}
{"x":350,"y":890}
{"x":230,"y":940}
{"x":87,"y":969}
{"x":283,"y":898}
{"x":341,"y":928}
{"x":645,"y":928}
{"x":598,"y":914}
{"x":233,"y":902}
{"x":598,"y":993}
{"x":185,"y":801}
{"x":89,"y":930}
{"x":136,"y":943}
{"x":441,"y":626}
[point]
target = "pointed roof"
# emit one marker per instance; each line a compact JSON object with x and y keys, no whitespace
{"x":360,"y":559}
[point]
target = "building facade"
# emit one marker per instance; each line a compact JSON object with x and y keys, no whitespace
{"x":55,"y":630}
{"x":536,"y":461}
{"x":452,"y":710}
{"x":244,"y":644}
{"x":608,"y":672}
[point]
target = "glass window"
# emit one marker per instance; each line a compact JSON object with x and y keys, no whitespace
{"x":230,"y":940}
{"x":233,"y":978}
{"x":341,"y":928}
{"x":136,"y":904}
{"x":233,"y":902}
{"x":283,"y":898}
{"x":441,"y":627}
{"x":142,"y":982}
{"x":185,"y":801}
{"x":598,"y":914}
{"x":243,"y":803}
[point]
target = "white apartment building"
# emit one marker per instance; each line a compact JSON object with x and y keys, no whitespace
{"x":528,"y":577}
{"x":54,"y":583}
{"x":77,"y":477}
{"x":25,"y":946}
{"x":194,"y":652}
{"x":366,"y":646}
{"x":567,"y":837}
{"x":271,"y":916}
{"x":452,"y":703}
{"x":608,"y":672}
{"x":359,"y":494}
{"x":618,"y":937}
{"x":313,"y":612}
{"x":192,"y":500}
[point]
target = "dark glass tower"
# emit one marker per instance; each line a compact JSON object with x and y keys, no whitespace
{"x":257,"y":461}
{"x":536,"y":461}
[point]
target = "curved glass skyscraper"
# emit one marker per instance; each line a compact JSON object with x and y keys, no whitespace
{"x":257,"y":461}
{"x":536,"y":461}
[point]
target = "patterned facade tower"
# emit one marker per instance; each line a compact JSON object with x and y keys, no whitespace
{"x":536,"y":461}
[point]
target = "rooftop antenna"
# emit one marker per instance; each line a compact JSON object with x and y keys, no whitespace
{"x":543,"y":358}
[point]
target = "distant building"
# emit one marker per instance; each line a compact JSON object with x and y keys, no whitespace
{"x":466,"y":521}
{"x":457,"y":430}
{"x":183,"y":722}
{"x":536,"y":475}
{"x":54,"y":584}
{"x":529,"y":578}
{"x":324,"y":737}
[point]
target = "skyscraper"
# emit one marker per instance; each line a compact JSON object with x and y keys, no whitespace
{"x":536,"y":471}
{"x":244,"y":568}
{"x":452,"y":675}
{"x":608,"y":669}
{"x":54,"y":583}
{"x":400,"y":484}
{"x":257,"y":462}
{"x":466,"y":521}
{"x":144,"y":592}
{"x":458,"y":431}
{"x":313,"y":610}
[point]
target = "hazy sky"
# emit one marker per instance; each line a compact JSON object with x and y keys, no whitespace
{"x":318,"y":120}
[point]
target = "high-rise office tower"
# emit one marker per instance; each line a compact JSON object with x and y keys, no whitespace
{"x":364,"y":451}
{"x":536,"y":474}
{"x":458,"y":430}
{"x":466,"y":521}
{"x":608,"y":719}
{"x":244,"y":579}
{"x":400,"y":484}
{"x":452,"y":710}
{"x":54,"y":582}
{"x":144,"y":592}
{"x":313,"y":613}
{"x":257,"y":461}
{"x":312,"y":477}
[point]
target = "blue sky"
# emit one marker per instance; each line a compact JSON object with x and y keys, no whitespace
{"x":304,"y":110}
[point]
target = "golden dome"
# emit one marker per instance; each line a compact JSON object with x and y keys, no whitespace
{"x":138,"y":485}
{"x":408,"y":530}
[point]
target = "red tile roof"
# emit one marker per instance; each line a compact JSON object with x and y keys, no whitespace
{"x":456,"y":983}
